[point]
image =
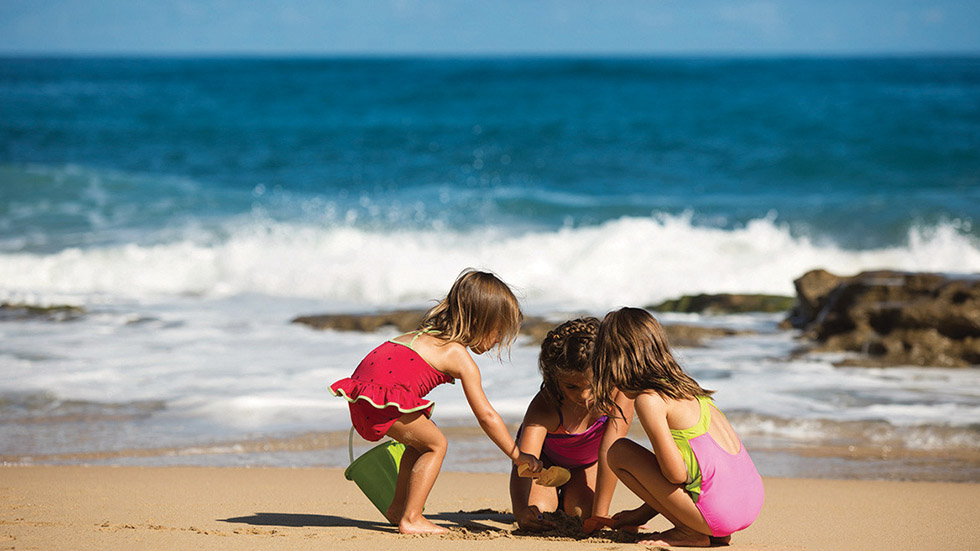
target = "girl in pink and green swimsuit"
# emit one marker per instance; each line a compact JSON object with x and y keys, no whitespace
{"x":699,"y":475}
{"x":563,"y":428}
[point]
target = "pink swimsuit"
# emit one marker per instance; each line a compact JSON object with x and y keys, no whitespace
{"x":388,"y":383}
{"x":573,"y":450}
{"x":726,"y":487}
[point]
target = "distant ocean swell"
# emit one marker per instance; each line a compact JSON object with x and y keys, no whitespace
{"x":628,"y":260}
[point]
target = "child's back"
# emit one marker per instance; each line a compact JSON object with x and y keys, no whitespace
{"x":695,"y":449}
{"x":386,"y":392}
{"x":685,"y":414}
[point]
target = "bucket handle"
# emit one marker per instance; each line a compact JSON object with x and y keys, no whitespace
{"x":350,"y":444}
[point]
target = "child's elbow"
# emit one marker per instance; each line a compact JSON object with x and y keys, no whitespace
{"x":486,"y":418}
{"x":677,"y":479}
{"x":676,"y":475}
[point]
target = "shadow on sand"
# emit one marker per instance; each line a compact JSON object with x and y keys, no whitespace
{"x":462,"y":519}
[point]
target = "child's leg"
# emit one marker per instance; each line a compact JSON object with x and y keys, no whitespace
{"x":637,"y":467}
{"x":405,"y":466}
{"x":424,"y":452}
{"x":527,"y":500}
{"x":580,"y":491}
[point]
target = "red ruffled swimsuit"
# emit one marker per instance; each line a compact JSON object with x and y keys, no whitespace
{"x":388,"y":383}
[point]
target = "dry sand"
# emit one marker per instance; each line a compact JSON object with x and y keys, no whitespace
{"x":130,"y":508}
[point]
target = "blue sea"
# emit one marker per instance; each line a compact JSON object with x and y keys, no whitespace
{"x":193,"y":207}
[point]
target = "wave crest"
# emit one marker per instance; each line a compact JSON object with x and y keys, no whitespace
{"x":629,"y":260}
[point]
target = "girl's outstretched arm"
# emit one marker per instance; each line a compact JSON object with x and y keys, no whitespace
{"x":465,"y":369}
{"x":617,"y":428}
{"x":527,"y":513}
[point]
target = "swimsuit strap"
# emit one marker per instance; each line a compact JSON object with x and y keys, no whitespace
{"x":561,"y":422}
{"x":704,"y":421}
{"x":564,"y":431}
{"x":419,"y":333}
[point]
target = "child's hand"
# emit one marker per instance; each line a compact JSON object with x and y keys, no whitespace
{"x":531,"y":519}
{"x":534,"y":464}
{"x":631,"y":520}
{"x":594,"y":523}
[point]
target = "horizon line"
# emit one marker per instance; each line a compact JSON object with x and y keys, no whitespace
{"x":227,"y":54}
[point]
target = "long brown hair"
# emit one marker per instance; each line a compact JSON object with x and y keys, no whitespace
{"x":567,"y":349}
{"x":632,"y":354}
{"x":478,"y":304}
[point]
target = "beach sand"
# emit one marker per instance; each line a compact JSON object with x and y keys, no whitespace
{"x":79,"y":508}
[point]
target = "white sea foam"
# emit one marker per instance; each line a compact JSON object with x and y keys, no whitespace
{"x":190,"y":371}
{"x":201,"y":326}
{"x":624,"y":261}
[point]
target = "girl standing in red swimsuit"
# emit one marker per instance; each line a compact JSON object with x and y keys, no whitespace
{"x":386,"y":391}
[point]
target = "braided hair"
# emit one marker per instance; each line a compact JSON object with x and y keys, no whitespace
{"x":566,"y":350}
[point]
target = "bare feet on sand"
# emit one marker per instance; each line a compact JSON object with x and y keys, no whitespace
{"x":420,"y":526}
{"x":393,"y":514}
{"x":675,"y":537}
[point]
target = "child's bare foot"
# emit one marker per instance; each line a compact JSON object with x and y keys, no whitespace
{"x":724,"y":540}
{"x":421,"y":525}
{"x":675,"y":537}
{"x":393,"y":514}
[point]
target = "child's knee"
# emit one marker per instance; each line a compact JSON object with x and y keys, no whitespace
{"x":616,"y":455}
{"x":438,"y":444}
{"x":622,"y":453}
{"x":579,"y":503}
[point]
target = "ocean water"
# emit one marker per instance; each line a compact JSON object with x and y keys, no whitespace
{"x":193,"y":207}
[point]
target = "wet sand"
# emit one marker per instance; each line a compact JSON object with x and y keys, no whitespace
{"x":472,"y":451}
{"x":79,"y":508}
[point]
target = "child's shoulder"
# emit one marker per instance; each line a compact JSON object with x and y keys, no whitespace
{"x":542,"y":411}
{"x":652,"y":401}
{"x":446,"y":356}
{"x":433,"y":345}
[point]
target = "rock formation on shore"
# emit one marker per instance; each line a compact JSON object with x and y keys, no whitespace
{"x":892,"y":318}
{"x":24,"y":312}
{"x":534,"y":327}
{"x":725,"y":303}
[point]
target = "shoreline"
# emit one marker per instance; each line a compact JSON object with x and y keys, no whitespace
{"x":471,"y":452}
{"x":46,"y":430}
{"x":74,"y":507}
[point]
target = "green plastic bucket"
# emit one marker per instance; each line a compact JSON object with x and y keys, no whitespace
{"x":376,"y":471}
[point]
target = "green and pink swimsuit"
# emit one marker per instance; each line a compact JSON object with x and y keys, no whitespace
{"x":725,"y":487}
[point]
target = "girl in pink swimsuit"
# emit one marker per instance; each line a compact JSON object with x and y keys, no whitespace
{"x":563,"y":427}
{"x":699,"y":475}
{"x":387,"y":390}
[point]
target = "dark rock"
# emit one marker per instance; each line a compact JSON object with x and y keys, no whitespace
{"x":23,"y":312}
{"x":690,"y":336}
{"x":537,"y":328}
{"x":726,"y":304}
{"x":534,"y":327}
{"x":403,"y":320}
{"x":892,"y":318}
{"x":810,"y":291}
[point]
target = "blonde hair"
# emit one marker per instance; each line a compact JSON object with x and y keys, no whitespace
{"x":478,"y":305}
{"x":567,"y":349}
{"x":632,"y":354}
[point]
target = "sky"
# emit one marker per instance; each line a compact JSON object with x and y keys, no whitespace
{"x":481,"y":27}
